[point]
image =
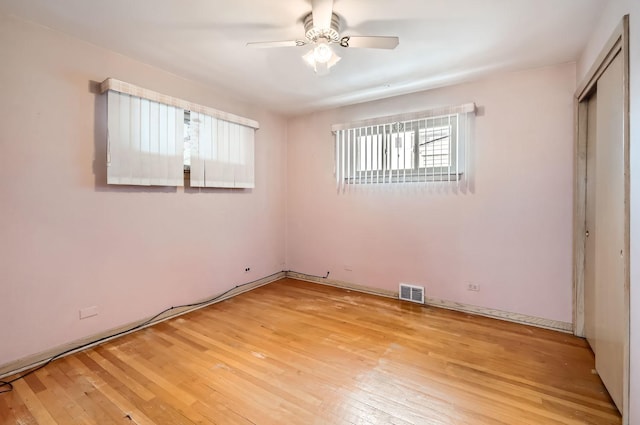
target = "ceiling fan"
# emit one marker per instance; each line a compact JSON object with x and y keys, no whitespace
{"x":322,"y":28}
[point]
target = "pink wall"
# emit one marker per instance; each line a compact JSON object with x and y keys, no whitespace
{"x":69,"y":241}
{"x":511,"y":233}
{"x":610,"y":18}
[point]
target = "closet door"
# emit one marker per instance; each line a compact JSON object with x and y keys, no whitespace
{"x":604,"y":262}
{"x":590,"y":220}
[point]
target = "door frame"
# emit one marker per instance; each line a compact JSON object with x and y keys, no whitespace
{"x":618,"y":44}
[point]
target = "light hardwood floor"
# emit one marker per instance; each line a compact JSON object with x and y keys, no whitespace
{"x":294,"y":352}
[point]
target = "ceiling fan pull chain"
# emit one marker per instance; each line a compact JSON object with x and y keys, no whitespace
{"x":344,"y":41}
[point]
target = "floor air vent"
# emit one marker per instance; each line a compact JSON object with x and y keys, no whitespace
{"x":411,"y":293}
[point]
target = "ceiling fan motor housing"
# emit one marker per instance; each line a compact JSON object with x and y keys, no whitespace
{"x":313,"y":33}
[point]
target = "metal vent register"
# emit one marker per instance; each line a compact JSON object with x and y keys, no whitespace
{"x":411,"y":293}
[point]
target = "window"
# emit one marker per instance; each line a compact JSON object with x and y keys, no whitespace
{"x":153,"y":138}
{"x":412,"y":145}
{"x":394,"y":150}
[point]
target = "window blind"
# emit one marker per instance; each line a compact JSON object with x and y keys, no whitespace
{"x":148,"y":131}
{"x":144,"y":141}
{"x":222,"y":153}
{"x":422,"y":147}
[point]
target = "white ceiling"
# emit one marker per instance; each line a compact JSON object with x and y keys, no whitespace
{"x":441,"y":41}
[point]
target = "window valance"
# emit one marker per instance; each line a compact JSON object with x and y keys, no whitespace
{"x":133,"y":90}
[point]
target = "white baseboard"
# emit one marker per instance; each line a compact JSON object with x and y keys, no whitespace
{"x":343,"y":285}
{"x":503,"y":315}
{"x":450,"y":305}
{"x":34,"y":360}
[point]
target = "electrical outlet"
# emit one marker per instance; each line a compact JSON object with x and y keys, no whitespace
{"x":88,"y":312}
{"x":247,"y":269}
{"x":473,"y":287}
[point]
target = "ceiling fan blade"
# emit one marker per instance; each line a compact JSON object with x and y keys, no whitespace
{"x":268,"y":44}
{"x":370,"y":42}
{"x":322,"y":10}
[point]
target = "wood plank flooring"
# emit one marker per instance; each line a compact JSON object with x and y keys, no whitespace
{"x":294,"y":352}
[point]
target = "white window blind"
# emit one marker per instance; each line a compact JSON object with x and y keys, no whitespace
{"x":144,"y":141}
{"x":222,"y":153}
{"x":421,"y":147}
{"x":147,"y":133}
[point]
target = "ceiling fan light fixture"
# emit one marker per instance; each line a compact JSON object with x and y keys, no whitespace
{"x":322,"y":53}
{"x":321,"y":58}
{"x":322,"y":28}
